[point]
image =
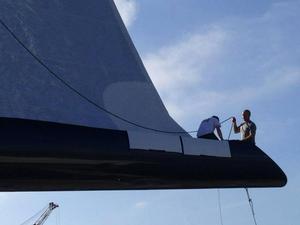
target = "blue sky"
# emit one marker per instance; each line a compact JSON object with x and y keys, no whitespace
{"x":204,"y":57}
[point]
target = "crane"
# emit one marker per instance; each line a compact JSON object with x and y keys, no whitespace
{"x":41,"y":220}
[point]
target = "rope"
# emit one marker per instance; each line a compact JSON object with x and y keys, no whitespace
{"x":56,"y":76}
{"x":251,"y":206}
{"x":224,"y":121}
{"x":58,"y":216}
{"x":69,"y":86}
{"x":39,"y":212}
{"x":230,"y":131}
{"x":220,"y":206}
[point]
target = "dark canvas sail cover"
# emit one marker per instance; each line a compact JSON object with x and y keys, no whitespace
{"x":87,"y":45}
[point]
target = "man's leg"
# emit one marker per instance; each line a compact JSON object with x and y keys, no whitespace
{"x":211,"y":136}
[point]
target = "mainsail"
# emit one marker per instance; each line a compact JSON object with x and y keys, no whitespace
{"x":87,"y":46}
{"x":78,"y":110}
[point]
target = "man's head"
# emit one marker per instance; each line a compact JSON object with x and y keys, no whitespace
{"x":246,"y":115}
{"x":216,"y":118}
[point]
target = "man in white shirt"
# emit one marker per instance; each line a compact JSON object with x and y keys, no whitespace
{"x":207,"y":128}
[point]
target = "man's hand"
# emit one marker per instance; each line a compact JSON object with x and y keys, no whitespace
{"x":220,"y":133}
{"x":235,"y":127}
{"x":233,"y":119}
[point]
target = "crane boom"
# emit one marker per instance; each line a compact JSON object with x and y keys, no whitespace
{"x":41,"y":220}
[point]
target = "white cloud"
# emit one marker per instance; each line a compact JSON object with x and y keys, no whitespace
{"x":128,"y":10}
{"x":171,"y":66}
{"x":273,"y":82}
{"x":232,"y":63}
{"x":282,"y":9}
{"x":177,"y":71}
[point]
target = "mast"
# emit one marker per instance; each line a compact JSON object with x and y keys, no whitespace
{"x":41,"y":220}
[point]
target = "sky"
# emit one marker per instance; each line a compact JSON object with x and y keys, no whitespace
{"x":205,"y":58}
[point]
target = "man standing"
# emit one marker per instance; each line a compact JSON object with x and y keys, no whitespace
{"x":207,"y":128}
{"x":247,"y":128}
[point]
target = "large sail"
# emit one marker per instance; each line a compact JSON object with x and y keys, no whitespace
{"x":87,"y":45}
{"x":78,"y":111}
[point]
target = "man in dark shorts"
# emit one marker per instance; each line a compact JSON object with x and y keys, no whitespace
{"x":247,"y":128}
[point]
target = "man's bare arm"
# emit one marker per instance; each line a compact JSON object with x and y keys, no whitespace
{"x":219,"y":133}
{"x":236,"y":128}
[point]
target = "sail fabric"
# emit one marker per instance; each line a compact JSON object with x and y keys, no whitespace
{"x":88,"y":46}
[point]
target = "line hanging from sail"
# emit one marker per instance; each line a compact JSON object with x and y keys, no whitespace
{"x":35,"y":215}
{"x":251,"y":205}
{"x":55,"y":75}
{"x":220,"y":207}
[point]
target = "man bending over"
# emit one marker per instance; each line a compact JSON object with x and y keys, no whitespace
{"x":207,"y":128}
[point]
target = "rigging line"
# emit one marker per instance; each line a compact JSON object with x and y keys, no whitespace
{"x":77,"y":92}
{"x":226,"y":120}
{"x":220,"y":207}
{"x":39,"y":212}
{"x":230,"y":131}
{"x":55,"y":75}
{"x":59,"y":218}
{"x":251,"y":205}
{"x":56,"y":218}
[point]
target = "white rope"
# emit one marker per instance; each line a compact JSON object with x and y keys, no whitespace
{"x":58,"y":216}
{"x":35,"y":215}
{"x":230,"y":131}
{"x":251,"y":206}
{"x":220,"y":206}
